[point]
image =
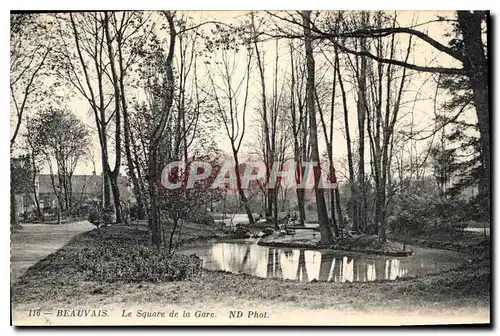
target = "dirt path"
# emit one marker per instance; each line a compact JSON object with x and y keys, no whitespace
{"x":36,"y":241}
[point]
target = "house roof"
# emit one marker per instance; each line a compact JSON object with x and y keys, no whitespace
{"x":84,"y":184}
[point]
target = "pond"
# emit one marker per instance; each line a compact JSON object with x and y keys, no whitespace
{"x":321,"y":265}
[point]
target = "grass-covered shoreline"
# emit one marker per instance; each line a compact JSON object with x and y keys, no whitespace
{"x":48,"y":283}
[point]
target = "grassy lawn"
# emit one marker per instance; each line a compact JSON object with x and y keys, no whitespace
{"x":48,"y":284}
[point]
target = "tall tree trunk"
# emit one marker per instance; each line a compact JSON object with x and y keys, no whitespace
{"x":13,"y":207}
{"x":171,"y":239}
{"x":157,"y":237}
{"x":241,"y":192}
{"x":116,"y":199}
{"x":127,"y":133}
{"x":70,"y":195}
{"x":106,"y":189}
{"x":296,"y":126}
{"x":470,"y":26}
{"x":336,"y":206}
{"x":276,"y":224}
{"x":302,"y":153}
{"x":361,"y":197}
{"x":137,"y":190}
{"x":35,"y":191}
{"x":57,"y":192}
{"x":269,"y":201}
{"x":301,"y":205}
{"x":354,"y":208}
{"x":154,"y":215}
{"x":142,"y":188}
{"x":332,"y":213}
{"x":328,"y":135}
{"x":111,"y":184}
{"x":117,"y":93}
{"x":326,"y":233}
{"x":306,"y":152}
{"x":267,"y":146}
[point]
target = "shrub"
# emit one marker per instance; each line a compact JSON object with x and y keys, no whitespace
{"x":204,"y":218}
{"x":116,"y":258}
{"x":240,"y":232}
{"x":425,"y":213}
{"x":94,"y":216}
{"x":136,"y":264}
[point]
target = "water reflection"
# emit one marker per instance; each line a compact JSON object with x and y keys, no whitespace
{"x":308,"y":265}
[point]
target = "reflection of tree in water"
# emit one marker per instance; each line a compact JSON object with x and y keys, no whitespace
{"x":380,"y":268}
{"x":245,"y":259}
{"x":347,"y":269}
{"x":327,"y":260}
{"x":302,"y":265}
{"x":350,"y":269}
{"x":301,"y":269}
{"x":237,"y":258}
{"x":394,"y":269}
{"x":355,"y":270}
{"x":389,"y":269}
{"x":274,"y":264}
{"x":338,"y":269}
{"x":289,"y":260}
{"x":362,"y":270}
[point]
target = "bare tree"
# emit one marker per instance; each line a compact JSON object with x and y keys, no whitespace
{"x":380,"y":123}
{"x":350,"y":160}
{"x":158,"y":123}
{"x":28,"y":59}
{"x":82,"y":62}
{"x":326,"y":233}
{"x":472,"y":59}
{"x":34,"y":148}
{"x":328,"y":135}
{"x":61,"y":139}
{"x":232,"y":114}
{"x":299,"y":121}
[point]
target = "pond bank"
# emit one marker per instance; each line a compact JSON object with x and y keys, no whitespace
{"x":302,"y":264}
{"x":363,"y":243}
{"x":466,"y":287}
